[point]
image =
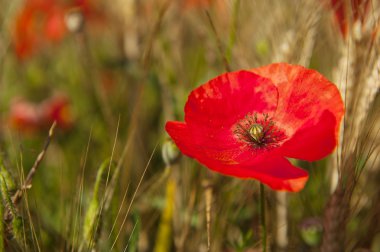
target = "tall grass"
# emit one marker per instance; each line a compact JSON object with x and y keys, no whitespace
{"x":104,"y":185}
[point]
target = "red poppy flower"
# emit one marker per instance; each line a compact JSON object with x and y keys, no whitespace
{"x":42,"y":22}
{"x":57,"y":108}
{"x":247,"y":123}
{"x":29,"y":117}
{"x":24,"y":116}
{"x":38,"y":22}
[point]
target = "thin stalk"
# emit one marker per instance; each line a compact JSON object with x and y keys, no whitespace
{"x":219,"y":43}
{"x":262,"y":218}
{"x":27,"y":184}
{"x":233,"y":28}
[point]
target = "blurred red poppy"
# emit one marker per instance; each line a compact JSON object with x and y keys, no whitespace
{"x":360,"y":9}
{"x":28,"y":117}
{"x":56,"y":109}
{"x":341,"y":8}
{"x":38,"y":22}
{"x":41,"y":22}
{"x":247,"y":123}
{"x":24,"y":116}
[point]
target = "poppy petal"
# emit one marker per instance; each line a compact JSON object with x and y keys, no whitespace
{"x":314,"y":140}
{"x":224,"y":100}
{"x":213,"y":108}
{"x":276,"y":172}
{"x":306,"y":97}
{"x":181,"y":135}
{"x":279,"y":174}
{"x":207,"y":149}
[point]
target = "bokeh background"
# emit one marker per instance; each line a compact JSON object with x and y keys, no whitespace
{"x":111,"y":73}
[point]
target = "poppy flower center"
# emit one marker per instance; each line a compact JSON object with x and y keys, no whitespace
{"x":258,"y":132}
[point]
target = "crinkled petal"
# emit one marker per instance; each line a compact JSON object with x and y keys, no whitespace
{"x":224,"y":100}
{"x":309,"y":110}
{"x":214,"y":107}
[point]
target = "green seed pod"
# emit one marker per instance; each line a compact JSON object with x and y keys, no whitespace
{"x":257,"y":132}
{"x":170,"y":153}
{"x":311,"y":231}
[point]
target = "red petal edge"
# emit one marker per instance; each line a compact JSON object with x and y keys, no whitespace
{"x":310,"y":109}
{"x":276,"y":172}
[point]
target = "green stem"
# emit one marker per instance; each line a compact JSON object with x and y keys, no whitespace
{"x":262,"y":218}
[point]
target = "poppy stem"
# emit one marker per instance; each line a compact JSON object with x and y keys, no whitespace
{"x":262,"y":218}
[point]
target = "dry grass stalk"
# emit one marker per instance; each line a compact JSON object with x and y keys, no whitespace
{"x":342,"y":77}
{"x":372,"y":223}
{"x":27,"y":184}
{"x":369,"y":91}
{"x":335,"y":221}
{"x":219,"y":43}
{"x":282,"y":220}
{"x":297,"y":44}
{"x":358,"y":67}
{"x":337,"y":210}
{"x":208,"y":199}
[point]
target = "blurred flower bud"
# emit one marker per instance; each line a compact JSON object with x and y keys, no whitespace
{"x":170,"y":152}
{"x":311,"y":231}
{"x":74,"y":20}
